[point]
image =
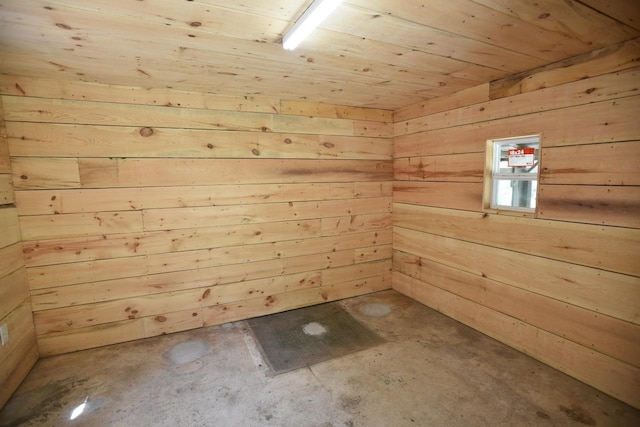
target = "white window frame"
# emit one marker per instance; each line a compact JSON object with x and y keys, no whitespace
{"x":493,"y":174}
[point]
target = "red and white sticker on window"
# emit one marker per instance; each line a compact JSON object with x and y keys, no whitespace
{"x":521,"y":157}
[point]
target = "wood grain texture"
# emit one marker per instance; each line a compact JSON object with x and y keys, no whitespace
{"x":585,"y":91}
{"x":20,"y":85}
{"x":574,"y":284}
{"x":601,"y":61}
{"x":605,"y":373}
{"x":607,"y":335}
{"x":23,"y":109}
{"x":19,"y":354}
{"x":563,"y":283}
{"x":7,"y":194}
{"x":53,"y":140}
{"x":45,"y":173}
{"x":599,"y":164}
{"x":136,"y":217}
{"x":14,"y":290}
{"x":372,"y":54}
{"x":9,"y":225}
{"x":453,"y":195}
{"x":571,"y":242}
{"x":461,"y":168}
{"x":133,"y":185}
{"x":61,"y":201}
{"x":110,"y":173}
{"x":117,"y":332}
{"x":592,"y":204}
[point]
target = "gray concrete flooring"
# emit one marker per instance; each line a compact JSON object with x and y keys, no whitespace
{"x":433,"y":371}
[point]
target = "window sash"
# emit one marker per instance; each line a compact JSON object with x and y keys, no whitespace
{"x":497,"y":176}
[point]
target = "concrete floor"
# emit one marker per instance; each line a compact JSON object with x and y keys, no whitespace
{"x":432,"y":371}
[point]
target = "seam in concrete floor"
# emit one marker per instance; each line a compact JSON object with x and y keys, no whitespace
{"x":433,"y":371}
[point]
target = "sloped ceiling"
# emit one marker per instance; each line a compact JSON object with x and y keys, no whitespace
{"x":375,"y":53}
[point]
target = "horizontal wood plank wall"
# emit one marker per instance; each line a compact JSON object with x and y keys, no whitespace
{"x":162,"y":211}
{"x":564,"y":285}
{"x":20,"y":353}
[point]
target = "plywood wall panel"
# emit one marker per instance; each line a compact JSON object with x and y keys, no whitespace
{"x":561,"y":283}
{"x":136,"y":217}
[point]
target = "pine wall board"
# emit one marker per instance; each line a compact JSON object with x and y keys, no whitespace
{"x":20,"y":353}
{"x":148,"y":212}
{"x":134,"y":212}
{"x":562,"y":285}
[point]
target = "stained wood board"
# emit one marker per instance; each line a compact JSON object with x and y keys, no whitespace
{"x":607,"y":335}
{"x":574,"y":284}
{"x":603,"y":372}
{"x":570,"y":242}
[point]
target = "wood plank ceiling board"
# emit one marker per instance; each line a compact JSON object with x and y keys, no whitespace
{"x":373,"y":53}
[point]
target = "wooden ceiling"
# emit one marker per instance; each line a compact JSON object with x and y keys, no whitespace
{"x":369,"y":53}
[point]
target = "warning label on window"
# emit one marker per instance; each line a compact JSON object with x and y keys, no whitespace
{"x":521,"y":157}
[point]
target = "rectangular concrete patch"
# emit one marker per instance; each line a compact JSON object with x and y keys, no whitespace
{"x":298,"y":338}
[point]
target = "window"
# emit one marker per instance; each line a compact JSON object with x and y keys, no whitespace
{"x":511,"y":177}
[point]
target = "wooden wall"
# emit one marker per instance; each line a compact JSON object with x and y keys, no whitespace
{"x":145,"y":212}
{"x":563,"y":286}
{"x":20,"y":353}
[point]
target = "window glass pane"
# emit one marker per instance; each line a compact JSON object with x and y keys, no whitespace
{"x":518,"y":157}
{"x":516,"y":193}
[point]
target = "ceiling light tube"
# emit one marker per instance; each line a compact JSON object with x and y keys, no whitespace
{"x":310,"y":19}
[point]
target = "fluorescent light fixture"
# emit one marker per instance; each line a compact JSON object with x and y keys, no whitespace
{"x":310,"y":19}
